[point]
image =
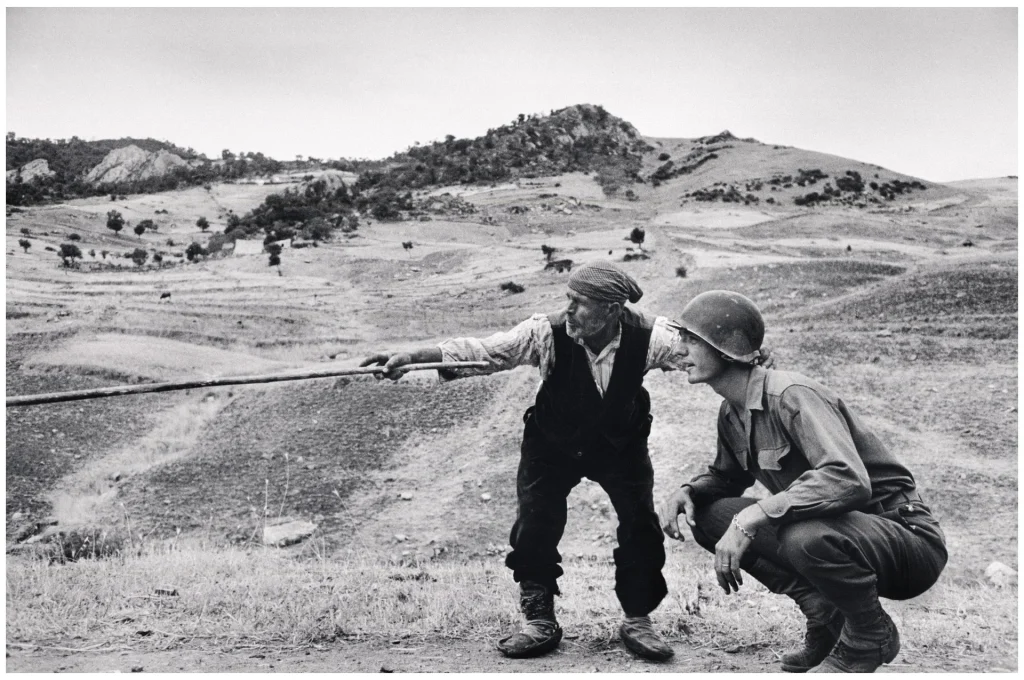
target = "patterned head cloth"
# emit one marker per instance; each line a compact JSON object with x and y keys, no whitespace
{"x":602,"y":280}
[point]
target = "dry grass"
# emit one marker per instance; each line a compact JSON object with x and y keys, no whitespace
{"x":177,"y":593}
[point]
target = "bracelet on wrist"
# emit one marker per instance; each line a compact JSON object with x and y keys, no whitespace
{"x":736,"y":523}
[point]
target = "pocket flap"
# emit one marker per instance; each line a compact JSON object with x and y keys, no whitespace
{"x":770,"y":458}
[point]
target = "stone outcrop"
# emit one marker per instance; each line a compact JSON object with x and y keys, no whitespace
{"x":31,"y":170}
{"x":130,"y":163}
{"x":287,"y":532}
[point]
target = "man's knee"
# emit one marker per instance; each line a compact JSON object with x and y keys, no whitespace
{"x":803,"y":542}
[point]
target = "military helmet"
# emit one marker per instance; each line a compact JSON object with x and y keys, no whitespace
{"x":728,"y":321}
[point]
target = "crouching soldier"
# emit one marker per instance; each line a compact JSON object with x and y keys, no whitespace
{"x":844,"y":524}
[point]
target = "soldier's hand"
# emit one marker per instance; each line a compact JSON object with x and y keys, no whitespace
{"x":766,"y":359}
{"x":391,"y":361}
{"x":728,"y":552}
{"x":669,"y":511}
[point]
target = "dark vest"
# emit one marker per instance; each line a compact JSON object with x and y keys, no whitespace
{"x":570,"y":410}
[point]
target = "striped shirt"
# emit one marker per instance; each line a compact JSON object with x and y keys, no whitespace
{"x":532,"y":343}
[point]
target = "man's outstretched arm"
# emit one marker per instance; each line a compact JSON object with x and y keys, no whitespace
{"x":528,"y":344}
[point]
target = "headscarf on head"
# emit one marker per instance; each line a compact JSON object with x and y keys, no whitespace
{"x":602,"y":280}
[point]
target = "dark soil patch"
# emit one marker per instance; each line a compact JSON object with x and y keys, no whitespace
{"x":333,"y":434}
{"x":981,"y":300}
{"x":47,"y":442}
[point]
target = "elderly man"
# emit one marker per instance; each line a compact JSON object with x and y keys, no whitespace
{"x":844,"y":523}
{"x":591,"y":418}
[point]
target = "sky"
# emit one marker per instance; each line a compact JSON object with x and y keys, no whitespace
{"x":925,"y":91}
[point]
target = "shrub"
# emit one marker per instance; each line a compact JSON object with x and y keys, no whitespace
{"x":74,"y":237}
{"x":512,"y":287}
{"x":681,"y":271}
{"x":194,"y":251}
{"x":664,"y":156}
{"x":26,"y":231}
{"x":139,"y":256}
{"x":25,"y":244}
{"x":203,"y":223}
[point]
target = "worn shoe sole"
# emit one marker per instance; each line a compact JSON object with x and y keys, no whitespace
{"x":645,"y":652}
{"x":542,"y":647}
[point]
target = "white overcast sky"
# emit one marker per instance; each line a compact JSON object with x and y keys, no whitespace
{"x":929,"y":92}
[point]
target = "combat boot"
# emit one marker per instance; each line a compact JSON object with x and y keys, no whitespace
{"x":824,"y":620}
{"x":822,"y":634}
{"x":863,"y":647}
{"x":541,"y":633}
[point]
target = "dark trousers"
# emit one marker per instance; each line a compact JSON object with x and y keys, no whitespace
{"x":850,"y":559}
{"x":547,"y":474}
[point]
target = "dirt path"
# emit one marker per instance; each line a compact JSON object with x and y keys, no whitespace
{"x":438,"y":655}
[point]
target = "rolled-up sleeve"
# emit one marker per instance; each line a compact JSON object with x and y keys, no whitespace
{"x":837,"y":480}
{"x":725,"y":477}
{"x":528,"y":344}
{"x":665,"y":349}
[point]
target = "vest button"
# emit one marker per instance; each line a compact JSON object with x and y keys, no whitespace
{"x":579,"y":454}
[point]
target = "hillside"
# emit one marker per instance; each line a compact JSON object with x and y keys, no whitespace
{"x":903,"y":306}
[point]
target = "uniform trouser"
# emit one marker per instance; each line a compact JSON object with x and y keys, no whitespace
{"x":850,"y":559}
{"x":546,"y":476}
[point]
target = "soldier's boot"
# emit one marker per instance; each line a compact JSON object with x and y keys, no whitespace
{"x":639,"y":636}
{"x":869,"y":639}
{"x":541,"y":632}
{"x":824,"y":624}
{"x":824,"y":620}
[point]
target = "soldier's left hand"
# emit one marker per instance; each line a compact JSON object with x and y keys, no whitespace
{"x":766,"y":359}
{"x":728,"y":552}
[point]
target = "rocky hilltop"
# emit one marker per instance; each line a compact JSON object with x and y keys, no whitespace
{"x":36,"y":169}
{"x":131,"y":164}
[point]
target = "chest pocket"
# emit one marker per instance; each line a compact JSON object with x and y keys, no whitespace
{"x":770,"y":458}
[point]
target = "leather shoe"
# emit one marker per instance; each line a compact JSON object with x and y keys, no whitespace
{"x":640,"y":638}
{"x":536,"y":637}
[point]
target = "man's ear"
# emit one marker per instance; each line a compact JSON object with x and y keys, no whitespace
{"x":615,"y":309}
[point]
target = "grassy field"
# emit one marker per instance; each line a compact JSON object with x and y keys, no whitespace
{"x":411,"y":485}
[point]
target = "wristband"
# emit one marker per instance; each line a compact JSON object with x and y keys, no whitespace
{"x":736,"y":523}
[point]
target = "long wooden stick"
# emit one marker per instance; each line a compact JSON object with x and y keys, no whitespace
{"x":99,"y":392}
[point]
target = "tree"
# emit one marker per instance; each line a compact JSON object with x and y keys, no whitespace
{"x":25,"y":243}
{"x":139,"y":256}
{"x":203,"y":223}
{"x":139,"y":230}
{"x":114,"y":221}
{"x":69,"y":252}
{"x":548,"y":252}
{"x":158,"y":258}
{"x":227,"y":155}
{"x":194,"y":251}
{"x":637,"y":236}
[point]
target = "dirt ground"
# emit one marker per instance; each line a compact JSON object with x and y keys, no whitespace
{"x":429,"y":656}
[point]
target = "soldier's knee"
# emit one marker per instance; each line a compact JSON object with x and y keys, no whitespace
{"x":801,"y":541}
